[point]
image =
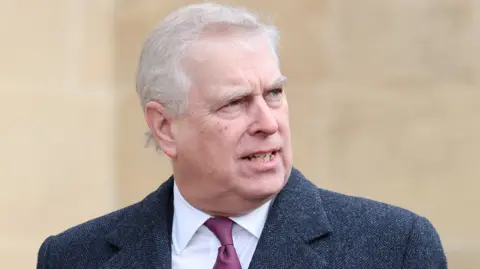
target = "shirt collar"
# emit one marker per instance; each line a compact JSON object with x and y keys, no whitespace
{"x":254,"y":221}
{"x":187,"y":220}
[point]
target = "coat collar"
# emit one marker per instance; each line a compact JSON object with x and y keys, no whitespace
{"x":296,"y":223}
{"x":289,"y":239}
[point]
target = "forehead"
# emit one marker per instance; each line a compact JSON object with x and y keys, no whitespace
{"x":220,"y":62}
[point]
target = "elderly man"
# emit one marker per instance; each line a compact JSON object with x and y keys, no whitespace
{"x":214,"y":100}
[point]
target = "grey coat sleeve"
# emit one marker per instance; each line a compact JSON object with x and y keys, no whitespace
{"x":424,"y":249}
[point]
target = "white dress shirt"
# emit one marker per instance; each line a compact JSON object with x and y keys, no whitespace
{"x":195,"y":246}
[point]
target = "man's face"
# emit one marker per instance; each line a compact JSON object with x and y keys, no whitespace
{"x":235,"y":138}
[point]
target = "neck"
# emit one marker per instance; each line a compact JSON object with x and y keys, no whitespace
{"x":224,"y":205}
{"x":235,"y":211}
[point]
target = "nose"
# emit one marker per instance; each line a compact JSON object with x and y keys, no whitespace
{"x":263,"y":119}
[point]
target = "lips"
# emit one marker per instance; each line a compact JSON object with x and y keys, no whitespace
{"x":262,"y":156}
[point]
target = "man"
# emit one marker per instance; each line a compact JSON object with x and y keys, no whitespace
{"x":214,"y":100}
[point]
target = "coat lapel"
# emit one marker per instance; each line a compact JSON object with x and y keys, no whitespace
{"x":143,"y":239}
{"x":295,"y":228}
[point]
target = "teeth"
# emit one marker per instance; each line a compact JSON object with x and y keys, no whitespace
{"x":262,"y":157}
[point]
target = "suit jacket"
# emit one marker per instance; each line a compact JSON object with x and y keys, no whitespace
{"x":307,"y":227}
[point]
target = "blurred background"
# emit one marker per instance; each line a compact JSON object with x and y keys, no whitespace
{"x":384,"y":98}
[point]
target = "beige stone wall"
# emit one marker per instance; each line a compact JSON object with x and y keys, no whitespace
{"x":56,"y":121}
{"x":384,"y":96}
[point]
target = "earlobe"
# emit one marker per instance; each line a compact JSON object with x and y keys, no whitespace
{"x":162,"y":127}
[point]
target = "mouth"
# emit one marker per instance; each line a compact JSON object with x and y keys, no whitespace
{"x":262,"y":156}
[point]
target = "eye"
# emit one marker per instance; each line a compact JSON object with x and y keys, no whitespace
{"x":235,"y":102}
{"x":275,"y":92}
{"x":233,"y":105}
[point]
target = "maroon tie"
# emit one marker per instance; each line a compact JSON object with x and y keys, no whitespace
{"x":227,"y":256}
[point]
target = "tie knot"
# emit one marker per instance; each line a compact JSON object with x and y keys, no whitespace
{"x":222,"y":228}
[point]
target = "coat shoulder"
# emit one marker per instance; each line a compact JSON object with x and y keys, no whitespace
{"x":100,"y":226}
{"x":370,"y":228}
{"x":83,"y":240}
{"x":359,"y":209}
{"x":367,"y":225}
{"x":92,"y":243}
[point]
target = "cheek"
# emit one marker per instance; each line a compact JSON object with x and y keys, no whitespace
{"x":283,"y":120}
{"x":193,"y":136}
{"x":285,"y":108}
{"x":226,"y":137}
{"x":216,"y":135}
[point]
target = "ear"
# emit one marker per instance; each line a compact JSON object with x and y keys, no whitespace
{"x":162,"y":126}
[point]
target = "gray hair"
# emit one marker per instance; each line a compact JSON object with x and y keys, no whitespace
{"x":160,"y":75}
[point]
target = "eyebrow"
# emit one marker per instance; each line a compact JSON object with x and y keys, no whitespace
{"x":278,"y":83}
{"x":240,"y":93}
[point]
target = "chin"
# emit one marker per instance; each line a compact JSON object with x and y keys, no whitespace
{"x":264,"y":187}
